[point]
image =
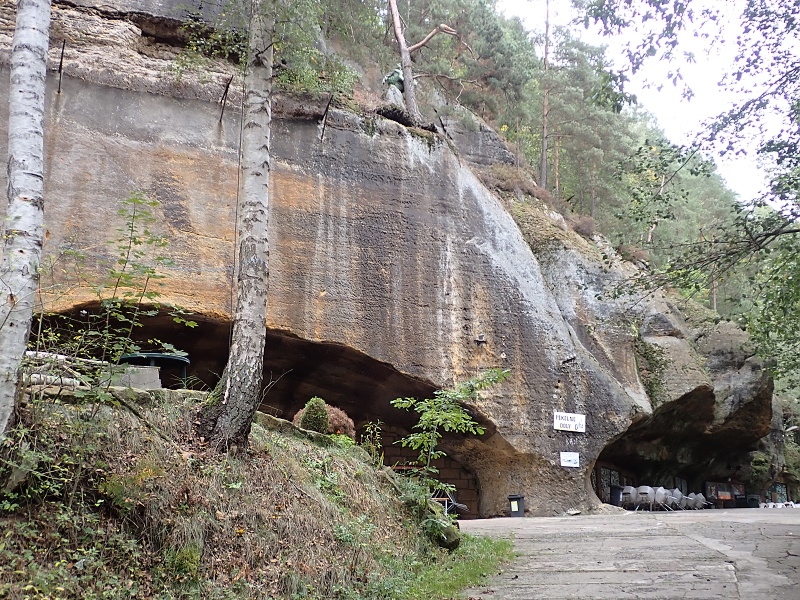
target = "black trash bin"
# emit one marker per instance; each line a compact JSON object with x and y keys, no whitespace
{"x":753,"y":500}
{"x":517,"y":505}
{"x":740,"y":500}
{"x":616,"y":494}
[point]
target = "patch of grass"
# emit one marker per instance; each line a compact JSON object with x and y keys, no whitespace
{"x":474,"y":560}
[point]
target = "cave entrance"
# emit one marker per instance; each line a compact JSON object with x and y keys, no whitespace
{"x":678,"y":446}
{"x":295,"y":370}
{"x":667,"y":448}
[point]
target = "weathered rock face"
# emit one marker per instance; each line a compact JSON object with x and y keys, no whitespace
{"x":393,"y":272}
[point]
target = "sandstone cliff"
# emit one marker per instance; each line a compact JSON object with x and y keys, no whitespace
{"x":394,"y":271}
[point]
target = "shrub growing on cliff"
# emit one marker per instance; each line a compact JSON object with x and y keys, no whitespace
{"x":314,"y":416}
{"x":338,"y":421}
{"x":444,"y":412}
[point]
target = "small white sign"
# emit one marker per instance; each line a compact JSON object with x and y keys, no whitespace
{"x":570,"y":459}
{"x":569,"y":421}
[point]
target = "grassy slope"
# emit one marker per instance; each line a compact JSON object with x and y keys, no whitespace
{"x":119,"y":506}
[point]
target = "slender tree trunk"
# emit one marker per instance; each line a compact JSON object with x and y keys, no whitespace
{"x":654,"y":224}
{"x":556,"y":182}
{"x":226,"y":425}
{"x":545,"y":99}
{"x":713,"y":282}
{"x":22,"y":239}
{"x":650,"y":231}
{"x":405,"y":63}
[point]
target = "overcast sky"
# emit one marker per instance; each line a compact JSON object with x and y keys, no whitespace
{"x":681,"y":119}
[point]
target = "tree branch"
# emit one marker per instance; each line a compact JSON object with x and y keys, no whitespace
{"x":436,"y":30}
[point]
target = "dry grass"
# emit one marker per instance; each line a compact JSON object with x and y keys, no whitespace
{"x":583,"y":225}
{"x":510,"y":178}
{"x":633,"y":253}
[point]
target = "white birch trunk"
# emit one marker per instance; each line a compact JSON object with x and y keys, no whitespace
{"x":241,"y":392}
{"x":22,"y":239}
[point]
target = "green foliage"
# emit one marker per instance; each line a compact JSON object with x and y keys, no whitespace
{"x":371,"y":441}
{"x":205,"y":42}
{"x":753,"y":250}
{"x":183,"y":561}
{"x":652,"y":363}
{"x":445,"y":412}
{"x":325,"y":478}
{"x":650,"y":177}
{"x":66,"y":552}
{"x":315,"y":417}
{"x":466,"y":566}
{"x":487,"y":67}
{"x":312,"y":72}
{"x":417,"y":495}
{"x":301,"y":66}
{"x":774,"y":322}
{"x":344,"y":441}
{"x":126,"y":293}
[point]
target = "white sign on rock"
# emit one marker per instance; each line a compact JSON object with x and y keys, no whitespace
{"x":570,"y":459}
{"x":569,"y":421}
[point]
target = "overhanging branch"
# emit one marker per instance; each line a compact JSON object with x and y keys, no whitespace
{"x":442,"y":28}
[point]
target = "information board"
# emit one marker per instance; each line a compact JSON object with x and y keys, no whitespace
{"x":570,"y":459}
{"x":569,"y":421}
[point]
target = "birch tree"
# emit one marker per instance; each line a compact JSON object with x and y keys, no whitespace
{"x":23,"y":226}
{"x":226,"y":424}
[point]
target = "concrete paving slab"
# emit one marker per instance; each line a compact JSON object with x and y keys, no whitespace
{"x":742,"y":554}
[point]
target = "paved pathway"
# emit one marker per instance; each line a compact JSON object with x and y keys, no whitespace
{"x":742,"y":554}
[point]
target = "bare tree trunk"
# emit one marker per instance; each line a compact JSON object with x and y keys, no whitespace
{"x":22,"y":247}
{"x":654,"y":224}
{"x":713,"y":280}
{"x":556,"y":183}
{"x":545,"y":99}
{"x":226,"y":425}
{"x":405,"y":63}
{"x":651,"y":230}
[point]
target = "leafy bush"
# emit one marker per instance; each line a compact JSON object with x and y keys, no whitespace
{"x":338,"y":421}
{"x":445,"y":412}
{"x":314,"y":416}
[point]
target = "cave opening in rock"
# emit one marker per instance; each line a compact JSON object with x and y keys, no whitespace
{"x":295,"y":370}
{"x":680,"y":446}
